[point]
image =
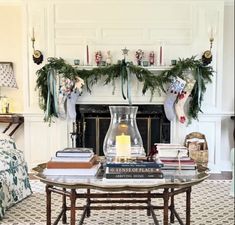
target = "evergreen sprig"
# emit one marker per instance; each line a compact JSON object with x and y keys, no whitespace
{"x":151,"y":82}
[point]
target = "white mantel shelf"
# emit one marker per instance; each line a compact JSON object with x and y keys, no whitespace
{"x":150,"y":68}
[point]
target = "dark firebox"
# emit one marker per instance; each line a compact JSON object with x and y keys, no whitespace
{"x":93,"y":122}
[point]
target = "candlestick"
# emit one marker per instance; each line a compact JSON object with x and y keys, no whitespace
{"x":87,"y":55}
{"x":123,"y":145}
{"x":74,"y":127}
{"x":160,"y":56}
{"x":179,"y":163}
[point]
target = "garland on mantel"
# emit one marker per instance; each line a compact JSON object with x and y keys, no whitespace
{"x":123,"y":70}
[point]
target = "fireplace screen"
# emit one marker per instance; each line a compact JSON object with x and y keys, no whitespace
{"x":93,"y":121}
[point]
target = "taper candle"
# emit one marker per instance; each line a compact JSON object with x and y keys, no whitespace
{"x":160,"y":56}
{"x":87,"y":55}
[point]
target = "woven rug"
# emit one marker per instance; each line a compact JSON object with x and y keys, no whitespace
{"x":211,"y":204}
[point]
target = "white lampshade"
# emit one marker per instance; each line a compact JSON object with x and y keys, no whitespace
{"x":7,"y":77}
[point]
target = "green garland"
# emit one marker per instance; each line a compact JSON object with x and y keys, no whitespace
{"x":151,"y":82}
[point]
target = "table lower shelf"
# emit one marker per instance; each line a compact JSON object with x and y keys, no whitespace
{"x":113,"y":198}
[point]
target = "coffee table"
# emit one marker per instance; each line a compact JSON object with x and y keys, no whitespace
{"x":115,"y":191}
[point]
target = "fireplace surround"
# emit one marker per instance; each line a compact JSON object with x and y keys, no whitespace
{"x":92,"y":123}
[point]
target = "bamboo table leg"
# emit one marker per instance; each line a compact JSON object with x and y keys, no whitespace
{"x":149,"y":203}
{"x":88,"y":213}
{"x":48,"y":193}
{"x":172,"y":207}
{"x":64,"y":207}
{"x":73,"y":205}
{"x":165,"y":210}
{"x":188,"y":205}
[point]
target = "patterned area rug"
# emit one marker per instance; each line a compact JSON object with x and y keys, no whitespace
{"x":211,"y":204}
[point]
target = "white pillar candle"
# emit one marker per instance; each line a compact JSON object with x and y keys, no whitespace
{"x":123,"y":145}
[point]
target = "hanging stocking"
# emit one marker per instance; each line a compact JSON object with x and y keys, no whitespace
{"x":61,"y":105}
{"x":179,"y":106}
{"x":71,"y":103}
{"x":175,"y":88}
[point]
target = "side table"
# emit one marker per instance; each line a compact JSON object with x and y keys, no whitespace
{"x":11,"y":119}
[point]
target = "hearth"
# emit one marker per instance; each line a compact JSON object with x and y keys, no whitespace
{"x":93,"y":121}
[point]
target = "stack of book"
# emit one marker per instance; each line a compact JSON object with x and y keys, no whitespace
{"x":73,"y":162}
{"x":175,"y":158}
{"x":177,"y":164}
{"x":134,"y":170}
{"x":171,"y":150}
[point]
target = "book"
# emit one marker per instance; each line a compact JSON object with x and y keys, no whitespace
{"x":71,"y":172}
{"x":71,"y":159}
{"x":71,"y":165}
{"x":136,"y":164}
{"x":75,"y":152}
{"x":134,"y":175}
{"x":176,"y":161}
{"x":173,"y":152}
{"x":179,"y":172}
{"x":168,"y":145}
{"x":132,"y":170}
{"x":179,"y":167}
{"x":140,"y":182}
{"x":175,"y":158}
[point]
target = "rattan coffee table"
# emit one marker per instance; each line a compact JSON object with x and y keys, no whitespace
{"x":113,"y":192}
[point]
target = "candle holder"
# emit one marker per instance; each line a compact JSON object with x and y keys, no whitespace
{"x":123,"y":140}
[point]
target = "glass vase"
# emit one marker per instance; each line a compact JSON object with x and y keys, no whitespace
{"x":123,"y":139}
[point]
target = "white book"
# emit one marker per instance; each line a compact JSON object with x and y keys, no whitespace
{"x":140,"y":182}
{"x":170,"y":146}
{"x":173,"y":153}
{"x":78,"y":172}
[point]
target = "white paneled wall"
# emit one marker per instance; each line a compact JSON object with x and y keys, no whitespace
{"x":63,"y":29}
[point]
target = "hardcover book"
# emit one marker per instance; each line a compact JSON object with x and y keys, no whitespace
{"x":132,"y":170}
{"x":75,"y":152}
{"x":134,"y":175}
{"x":72,"y":172}
{"x":71,"y":165}
{"x":136,"y":164}
{"x":140,"y":182}
{"x":71,"y":159}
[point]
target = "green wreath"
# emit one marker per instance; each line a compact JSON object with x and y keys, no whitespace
{"x":122,"y":70}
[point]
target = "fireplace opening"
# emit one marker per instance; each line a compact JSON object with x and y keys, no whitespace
{"x":92,"y":123}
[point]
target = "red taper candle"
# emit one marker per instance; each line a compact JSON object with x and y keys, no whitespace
{"x":160,"y":55}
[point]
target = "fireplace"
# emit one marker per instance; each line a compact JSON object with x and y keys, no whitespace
{"x":93,"y":121}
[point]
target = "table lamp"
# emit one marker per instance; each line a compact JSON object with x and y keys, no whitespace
{"x":7,"y":79}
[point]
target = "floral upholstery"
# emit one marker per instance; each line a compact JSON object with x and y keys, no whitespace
{"x":6,"y":142}
{"x":14,"y":180}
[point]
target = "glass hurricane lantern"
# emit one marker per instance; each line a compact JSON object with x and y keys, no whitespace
{"x":123,"y":139}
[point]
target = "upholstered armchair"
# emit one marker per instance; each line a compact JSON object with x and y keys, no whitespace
{"x":14,"y":180}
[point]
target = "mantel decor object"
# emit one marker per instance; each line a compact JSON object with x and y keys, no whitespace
{"x":123,"y":140}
